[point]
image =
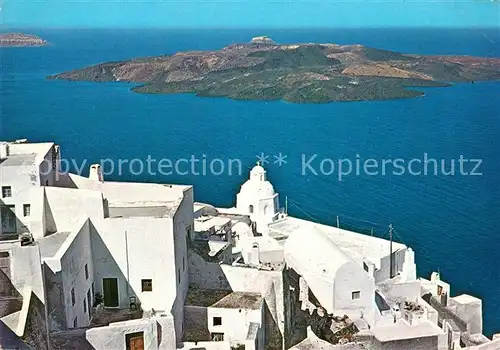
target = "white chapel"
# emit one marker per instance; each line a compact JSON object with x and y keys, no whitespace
{"x":258,"y":199}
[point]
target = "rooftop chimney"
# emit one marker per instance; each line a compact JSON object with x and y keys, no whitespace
{"x":4,"y":150}
{"x":254,"y":258}
{"x":96,"y":173}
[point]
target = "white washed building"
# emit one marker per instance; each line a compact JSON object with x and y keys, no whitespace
{"x":174,"y":274}
{"x":258,"y":199}
{"x":24,"y":168}
{"x":126,"y":241}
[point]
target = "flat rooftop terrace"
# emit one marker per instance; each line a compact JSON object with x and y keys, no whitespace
{"x":205,"y":223}
{"x":223,"y":299}
{"x":25,"y":154}
{"x":159,"y":211}
{"x":130,"y":192}
{"x":106,"y":316}
{"x":39,"y":148}
{"x":19,"y":160}
{"x":49,"y":245}
{"x":401,"y":330}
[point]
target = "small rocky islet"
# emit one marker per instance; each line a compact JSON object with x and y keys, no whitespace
{"x":20,"y":39}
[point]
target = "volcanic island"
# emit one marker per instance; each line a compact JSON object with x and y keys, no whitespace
{"x":303,"y":73}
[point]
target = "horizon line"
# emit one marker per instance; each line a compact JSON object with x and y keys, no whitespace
{"x":8,"y":27}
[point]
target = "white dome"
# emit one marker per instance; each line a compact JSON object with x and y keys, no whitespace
{"x":257,"y":170}
{"x":266,"y":189}
{"x":261,"y":189}
{"x":258,"y":184}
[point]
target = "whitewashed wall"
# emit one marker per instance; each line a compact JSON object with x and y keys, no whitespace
{"x":401,"y":291}
{"x":270,"y":284}
{"x":132,"y":249}
{"x":21,"y":179}
{"x":66,"y":207}
{"x":383,"y":273}
{"x":350,"y":278}
{"x":182,"y":222}
{"x":470,"y":311}
{"x":68,"y":269}
{"x":158,"y":334}
{"x":46,"y":169}
{"x":37,"y":222}
{"x":235,"y":322}
{"x":26,"y":269}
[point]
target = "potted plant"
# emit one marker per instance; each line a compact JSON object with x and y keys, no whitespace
{"x":98,"y":299}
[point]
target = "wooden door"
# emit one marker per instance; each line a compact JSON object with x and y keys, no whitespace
{"x":110,"y":291}
{"x":135,"y":341}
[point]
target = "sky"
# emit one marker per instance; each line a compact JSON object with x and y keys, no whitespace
{"x":250,"y":13}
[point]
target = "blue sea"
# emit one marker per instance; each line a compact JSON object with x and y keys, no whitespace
{"x":451,"y":221}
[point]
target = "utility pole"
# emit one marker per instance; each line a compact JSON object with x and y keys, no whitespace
{"x":128,"y":267}
{"x":391,"y":262}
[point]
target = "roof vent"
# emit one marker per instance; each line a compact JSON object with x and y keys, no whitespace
{"x":96,"y":173}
